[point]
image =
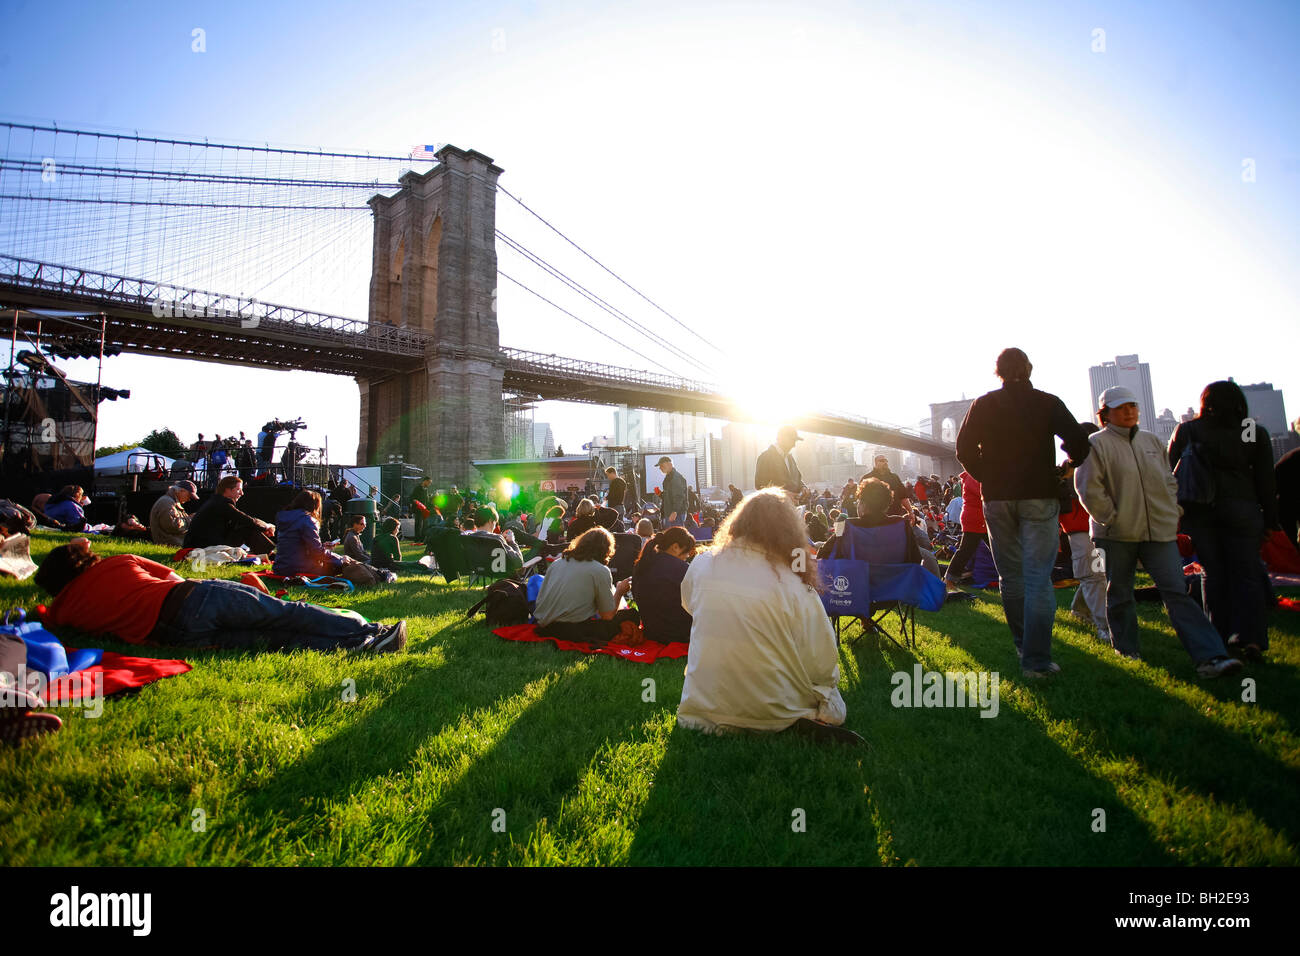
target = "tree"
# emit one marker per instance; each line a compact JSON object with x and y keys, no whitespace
{"x":113,"y":449}
{"x":165,"y":442}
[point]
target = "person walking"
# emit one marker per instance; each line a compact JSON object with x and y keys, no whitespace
{"x":1227,"y":533}
{"x":675,"y":494}
{"x":1132,"y":500}
{"x":1006,"y":443}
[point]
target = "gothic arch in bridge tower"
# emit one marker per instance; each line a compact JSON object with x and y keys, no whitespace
{"x":434,"y":269}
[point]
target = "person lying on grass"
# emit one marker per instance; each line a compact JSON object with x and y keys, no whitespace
{"x":579,"y":601}
{"x":763,"y":654}
{"x":142,"y":602}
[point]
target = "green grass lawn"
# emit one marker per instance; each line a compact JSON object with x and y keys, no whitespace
{"x":563,"y":751}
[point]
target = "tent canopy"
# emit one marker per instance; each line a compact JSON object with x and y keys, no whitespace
{"x":131,"y":461}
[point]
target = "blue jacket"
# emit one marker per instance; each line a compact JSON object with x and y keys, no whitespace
{"x":66,"y":512}
{"x":298,"y":548}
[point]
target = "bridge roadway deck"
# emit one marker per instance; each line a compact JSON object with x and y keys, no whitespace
{"x":245,"y":332}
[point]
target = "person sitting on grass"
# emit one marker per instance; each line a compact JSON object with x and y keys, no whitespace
{"x":387,"y":550}
{"x":657,"y":586}
{"x":763,"y":654}
{"x":298,"y":547}
{"x":66,"y":508}
{"x":142,"y":602}
{"x":579,"y":600}
{"x":218,"y":521}
{"x":352,"y":546}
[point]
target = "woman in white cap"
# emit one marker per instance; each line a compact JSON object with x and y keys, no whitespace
{"x":1132,"y":502}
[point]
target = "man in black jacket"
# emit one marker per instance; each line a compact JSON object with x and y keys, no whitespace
{"x":902,"y":497}
{"x":1006,"y":443}
{"x":776,"y":467}
{"x":617,"y":490}
{"x":218,"y":521}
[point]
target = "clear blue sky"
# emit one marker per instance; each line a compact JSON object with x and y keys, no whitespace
{"x":889,"y":192}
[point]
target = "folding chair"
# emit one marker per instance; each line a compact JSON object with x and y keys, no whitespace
{"x":480,"y":554}
{"x":627,"y":547}
{"x":894,"y":587}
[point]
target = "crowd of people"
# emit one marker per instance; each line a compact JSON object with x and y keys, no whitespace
{"x":741,"y":585}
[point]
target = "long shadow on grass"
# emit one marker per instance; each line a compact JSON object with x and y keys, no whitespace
{"x":754,"y":800}
{"x":536,"y":764}
{"x":955,"y":788}
{"x":1170,"y":739}
{"x":428,"y":700}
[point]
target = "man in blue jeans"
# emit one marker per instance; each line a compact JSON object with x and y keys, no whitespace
{"x":1007,"y":443}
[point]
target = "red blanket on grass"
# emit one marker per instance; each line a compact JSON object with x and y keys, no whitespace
{"x":642,"y":653}
{"x":113,"y":675}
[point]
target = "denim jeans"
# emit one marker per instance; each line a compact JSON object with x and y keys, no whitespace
{"x":1161,"y":560}
{"x":220,"y":613}
{"x":1227,"y":539}
{"x":1024,"y":537}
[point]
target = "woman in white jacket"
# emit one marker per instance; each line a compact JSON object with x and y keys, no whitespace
{"x":1132,"y":501}
{"x":763,"y":655}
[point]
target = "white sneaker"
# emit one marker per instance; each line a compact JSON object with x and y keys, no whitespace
{"x":1218,"y":667}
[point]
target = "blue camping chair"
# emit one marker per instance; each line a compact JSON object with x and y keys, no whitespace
{"x":892,"y":587}
{"x":701,"y":533}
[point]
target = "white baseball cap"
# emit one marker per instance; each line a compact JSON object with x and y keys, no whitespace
{"x":1115,"y":396}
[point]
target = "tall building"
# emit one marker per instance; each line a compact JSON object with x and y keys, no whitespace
{"x":708,"y":459}
{"x":677,"y":428}
{"x":543,"y":441}
{"x":628,"y":426}
{"x":740,"y":448}
{"x":1164,"y":425}
{"x":1269,"y":411}
{"x":1127,"y":371}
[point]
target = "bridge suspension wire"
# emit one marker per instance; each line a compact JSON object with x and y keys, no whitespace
{"x":548,"y":225}
{"x":593,"y":328}
{"x":590,"y":296}
{"x":284,"y":223}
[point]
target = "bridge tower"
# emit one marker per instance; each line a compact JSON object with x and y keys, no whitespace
{"x":435,"y":269}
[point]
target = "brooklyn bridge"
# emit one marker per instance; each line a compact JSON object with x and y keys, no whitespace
{"x":126,"y":236}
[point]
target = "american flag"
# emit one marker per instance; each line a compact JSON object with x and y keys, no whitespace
{"x":426,"y":152}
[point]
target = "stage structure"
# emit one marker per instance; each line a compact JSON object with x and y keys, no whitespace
{"x":50,"y":423}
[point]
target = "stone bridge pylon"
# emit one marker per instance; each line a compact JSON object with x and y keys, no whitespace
{"x":435,"y":270}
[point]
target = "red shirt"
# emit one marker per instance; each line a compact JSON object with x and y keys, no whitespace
{"x":1076,"y":519}
{"x":121,"y":595}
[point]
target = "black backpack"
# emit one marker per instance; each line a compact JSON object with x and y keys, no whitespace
{"x":1195,"y":479}
{"x":505,"y":603}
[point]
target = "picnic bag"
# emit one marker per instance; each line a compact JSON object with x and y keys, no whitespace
{"x":505,"y":603}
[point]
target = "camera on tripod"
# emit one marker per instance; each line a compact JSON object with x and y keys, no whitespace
{"x":293,"y":425}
